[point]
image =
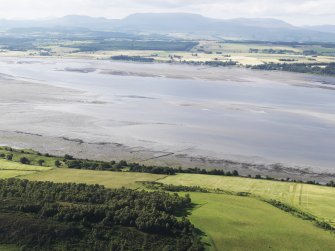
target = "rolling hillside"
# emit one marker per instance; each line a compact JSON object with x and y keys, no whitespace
{"x":189,"y":24}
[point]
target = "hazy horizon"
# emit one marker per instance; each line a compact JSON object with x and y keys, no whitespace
{"x":301,"y":12}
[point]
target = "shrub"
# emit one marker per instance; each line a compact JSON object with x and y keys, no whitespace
{"x":9,"y":156}
{"x":57,"y":163}
{"x":25,"y":160}
{"x":41,"y":162}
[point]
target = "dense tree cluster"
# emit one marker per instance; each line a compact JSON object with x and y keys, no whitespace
{"x":213,"y":63}
{"x":95,"y":207}
{"x":136,"y":167}
{"x":133,"y":58}
{"x":315,"y":68}
{"x":197,"y":170}
{"x":92,"y":165}
{"x":273,"y":51}
{"x":217,"y":63}
{"x":155,"y":45}
{"x":173,"y":188}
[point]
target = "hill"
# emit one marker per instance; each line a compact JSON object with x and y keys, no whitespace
{"x":323,"y":28}
{"x":189,"y":24}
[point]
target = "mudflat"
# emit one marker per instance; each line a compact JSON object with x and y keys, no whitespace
{"x":174,"y":115}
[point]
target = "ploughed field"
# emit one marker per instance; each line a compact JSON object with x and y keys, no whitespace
{"x":230,"y":212}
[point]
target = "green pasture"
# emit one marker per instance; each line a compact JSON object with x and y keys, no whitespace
{"x":242,"y":223}
{"x":31,"y":155}
{"x":106,"y":178}
{"x":10,"y":169}
{"x":317,"y":200}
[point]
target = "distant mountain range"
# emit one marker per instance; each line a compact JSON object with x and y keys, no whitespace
{"x":322,"y":28}
{"x":196,"y":25}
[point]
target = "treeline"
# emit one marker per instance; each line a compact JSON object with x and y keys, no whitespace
{"x":97,"y":216}
{"x":213,"y":63}
{"x":317,"y":68}
{"x":173,"y":188}
{"x":273,"y":51}
{"x":153,"y":185}
{"x":217,"y":63}
{"x":156,"y":45}
{"x":300,"y":214}
{"x":283,"y":51}
{"x":133,"y":58}
{"x":31,"y":157}
{"x":136,"y":167}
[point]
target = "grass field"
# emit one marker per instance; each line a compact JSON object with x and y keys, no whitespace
{"x":11,"y":165}
{"x":31,"y":155}
{"x":242,"y":223}
{"x":10,"y":169}
{"x":106,"y":178}
{"x":317,"y":200}
{"x":5,"y":174}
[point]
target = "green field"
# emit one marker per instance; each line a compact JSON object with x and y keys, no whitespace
{"x":206,"y":50}
{"x":11,"y":165}
{"x":31,"y":155}
{"x":106,"y":178}
{"x":317,"y":200}
{"x":229,"y":222}
{"x":242,"y":223}
{"x":9,"y":169}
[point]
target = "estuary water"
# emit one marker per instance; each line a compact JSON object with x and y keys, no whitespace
{"x":238,"y":114}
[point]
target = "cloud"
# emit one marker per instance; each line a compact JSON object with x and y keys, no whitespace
{"x":297,"y":11}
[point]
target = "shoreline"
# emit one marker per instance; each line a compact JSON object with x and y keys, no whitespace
{"x":182,"y":71}
{"x":192,"y":71}
{"x":108,"y":151}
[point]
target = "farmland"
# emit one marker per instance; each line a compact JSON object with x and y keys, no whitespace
{"x":181,"y":51}
{"x":303,"y":196}
{"x":106,"y":178}
{"x":236,"y":223}
{"x":9,"y":169}
{"x":317,"y":200}
{"x":227,"y":221}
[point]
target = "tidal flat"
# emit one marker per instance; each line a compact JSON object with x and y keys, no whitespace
{"x":275,"y":123}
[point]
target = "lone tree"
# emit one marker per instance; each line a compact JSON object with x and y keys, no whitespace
{"x":9,"y":156}
{"x":25,"y":160}
{"x":57,"y":163}
{"x":41,"y":162}
{"x":68,"y":157}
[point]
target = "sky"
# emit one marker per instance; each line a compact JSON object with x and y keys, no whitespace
{"x":298,"y":12}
